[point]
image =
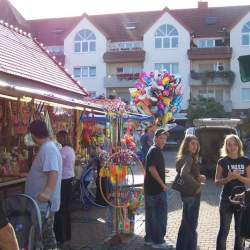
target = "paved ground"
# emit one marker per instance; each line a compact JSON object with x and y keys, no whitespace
{"x":89,"y":229}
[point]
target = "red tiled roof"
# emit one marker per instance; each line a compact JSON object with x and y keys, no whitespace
{"x":225,"y":17}
{"x":23,"y":57}
{"x":52,"y":31}
{"x":124,"y":56}
{"x":114,"y":25}
{"x":9,"y":14}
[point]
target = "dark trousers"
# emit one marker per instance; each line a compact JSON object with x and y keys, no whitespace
{"x":187,"y":235}
{"x":155,"y":217}
{"x":226,"y":212}
{"x":62,"y":225}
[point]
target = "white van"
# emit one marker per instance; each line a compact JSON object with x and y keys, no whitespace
{"x":211,"y":133}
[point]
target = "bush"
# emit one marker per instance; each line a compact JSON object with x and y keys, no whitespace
{"x":205,"y":108}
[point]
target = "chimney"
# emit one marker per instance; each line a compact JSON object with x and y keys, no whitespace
{"x":202,"y":5}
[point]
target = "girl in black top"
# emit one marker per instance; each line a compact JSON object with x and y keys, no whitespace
{"x":233,"y":170}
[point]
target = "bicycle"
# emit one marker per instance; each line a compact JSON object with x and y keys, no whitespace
{"x":87,"y":188}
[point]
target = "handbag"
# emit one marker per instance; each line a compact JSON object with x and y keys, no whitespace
{"x":184,"y":185}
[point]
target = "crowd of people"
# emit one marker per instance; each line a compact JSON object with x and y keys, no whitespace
{"x":232,"y":171}
{"x":51,"y":176}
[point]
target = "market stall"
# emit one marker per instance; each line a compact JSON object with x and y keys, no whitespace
{"x":33,"y":85}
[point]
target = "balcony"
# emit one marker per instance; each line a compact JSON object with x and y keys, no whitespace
{"x":123,"y":56}
{"x":219,"y":78}
{"x":121,"y":80}
{"x":219,"y":52}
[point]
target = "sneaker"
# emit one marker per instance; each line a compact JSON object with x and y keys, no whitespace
{"x":162,"y":246}
{"x":148,"y":243}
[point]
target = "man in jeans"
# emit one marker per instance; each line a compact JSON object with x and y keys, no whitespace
{"x":155,"y":194}
{"x":44,"y":180}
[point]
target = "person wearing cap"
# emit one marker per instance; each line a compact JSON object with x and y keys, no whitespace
{"x":44,"y":179}
{"x":8,"y":239}
{"x":155,"y":193}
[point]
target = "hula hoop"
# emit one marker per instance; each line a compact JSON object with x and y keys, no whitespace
{"x":138,"y":163}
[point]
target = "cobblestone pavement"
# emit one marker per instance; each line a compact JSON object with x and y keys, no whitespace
{"x":89,"y":229}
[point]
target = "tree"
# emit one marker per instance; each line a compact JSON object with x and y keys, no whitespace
{"x":205,"y":108}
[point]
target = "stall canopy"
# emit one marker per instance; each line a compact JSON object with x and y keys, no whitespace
{"x":27,"y":69}
{"x":102,"y":119}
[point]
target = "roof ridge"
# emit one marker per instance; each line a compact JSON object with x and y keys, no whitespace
{"x":213,"y":7}
{"x":15,"y":29}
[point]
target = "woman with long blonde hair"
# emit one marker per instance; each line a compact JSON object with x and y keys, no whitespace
{"x":187,"y":167}
{"x":232,"y":171}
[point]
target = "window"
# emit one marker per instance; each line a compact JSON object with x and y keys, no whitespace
{"x":166,"y":36}
{"x":84,"y":71}
{"x":216,"y":94}
{"x":85,"y":41}
{"x":131,"y":26}
{"x":206,"y":43}
{"x":245,"y":34}
{"x":128,"y":70}
{"x":172,"y":68}
{"x":245,"y":94}
{"x":129,"y":45}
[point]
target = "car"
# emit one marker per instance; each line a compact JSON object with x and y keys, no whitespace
{"x":211,"y":133}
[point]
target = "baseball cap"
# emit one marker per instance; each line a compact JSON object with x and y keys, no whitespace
{"x":161,"y":131}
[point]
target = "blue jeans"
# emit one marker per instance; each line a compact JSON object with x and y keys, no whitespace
{"x":156,"y":217}
{"x":226,"y":213}
{"x":187,"y":235}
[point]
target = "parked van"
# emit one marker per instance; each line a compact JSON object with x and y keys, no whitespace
{"x":211,"y":133}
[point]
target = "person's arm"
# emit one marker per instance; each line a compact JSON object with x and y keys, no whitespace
{"x":45,"y":195}
{"x":8,"y":239}
{"x":245,"y":180}
{"x":219,"y":180}
{"x":152,"y":170}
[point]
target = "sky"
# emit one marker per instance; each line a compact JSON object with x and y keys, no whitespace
{"x":36,"y":9}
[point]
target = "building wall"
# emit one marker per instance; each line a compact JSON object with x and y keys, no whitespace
{"x":176,"y":55}
{"x":239,"y":50}
{"x":74,"y":59}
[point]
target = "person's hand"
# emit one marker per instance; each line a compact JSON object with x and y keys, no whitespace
{"x":43,"y":197}
{"x":164,"y":188}
{"x":202,"y":178}
{"x":233,"y":175}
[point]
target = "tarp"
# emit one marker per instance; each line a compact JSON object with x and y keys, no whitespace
{"x":102,"y":119}
{"x":244,"y":63}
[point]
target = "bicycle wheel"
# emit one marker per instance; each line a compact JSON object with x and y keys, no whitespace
{"x":88,"y":187}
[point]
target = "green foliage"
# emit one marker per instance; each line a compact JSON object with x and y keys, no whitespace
{"x":205,"y":108}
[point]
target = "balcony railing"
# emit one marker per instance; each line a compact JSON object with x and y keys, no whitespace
{"x":128,"y":76}
{"x":214,"y":77}
{"x":124,"y":56}
{"x":219,"y":52}
{"x":121,"y":80}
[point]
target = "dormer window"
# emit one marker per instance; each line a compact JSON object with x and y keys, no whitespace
{"x":166,"y":36}
{"x":131,"y":26}
{"x":85,"y":41}
{"x":210,"y":20}
{"x":245,"y":34}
